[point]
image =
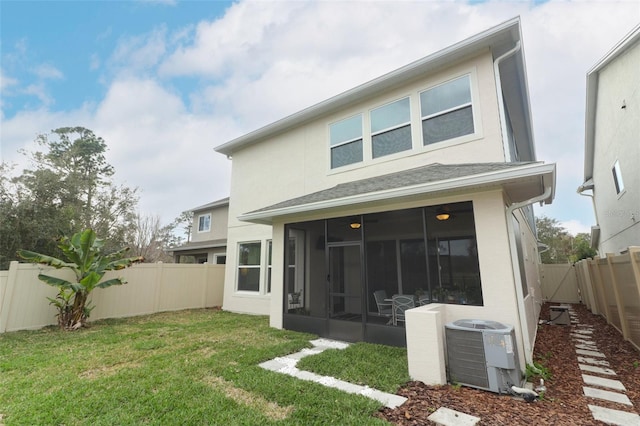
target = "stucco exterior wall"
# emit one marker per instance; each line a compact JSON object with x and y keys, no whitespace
{"x":617,"y":137}
{"x":219,"y":224}
{"x":298,"y":162}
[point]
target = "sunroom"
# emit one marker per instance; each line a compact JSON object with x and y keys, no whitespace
{"x":347,"y":257}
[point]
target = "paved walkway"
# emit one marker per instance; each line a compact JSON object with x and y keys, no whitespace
{"x":287,"y":365}
{"x":599,"y":379}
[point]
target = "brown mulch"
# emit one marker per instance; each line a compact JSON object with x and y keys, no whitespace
{"x":563,"y":403}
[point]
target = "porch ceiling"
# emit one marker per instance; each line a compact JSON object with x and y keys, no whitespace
{"x":520,"y":181}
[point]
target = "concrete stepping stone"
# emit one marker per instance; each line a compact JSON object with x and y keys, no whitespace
{"x":620,"y":398}
{"x":583,"y":331}
{"x":603,"y":383}
{"x":447,"y":417}
{"x":599,"y":370}
{"x":590,"y":353}
{"x":586,"y":360}
{"x":586,"y":347}
{"x":614,"y":417}
{"x":584,"y":342}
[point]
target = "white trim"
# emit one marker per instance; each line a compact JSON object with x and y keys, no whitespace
{"x":209,"y":227}
{"x":495,"y":178}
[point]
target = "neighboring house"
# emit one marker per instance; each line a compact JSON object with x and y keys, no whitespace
{"x":612,"y":146}
{"x":207,"y":242}
{"x":419,"y":182}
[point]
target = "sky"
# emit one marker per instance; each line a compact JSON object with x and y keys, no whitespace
{"x":163,"y":82}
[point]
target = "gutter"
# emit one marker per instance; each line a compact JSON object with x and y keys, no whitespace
{"x":524,"y":329}
{"x":503,"y":116}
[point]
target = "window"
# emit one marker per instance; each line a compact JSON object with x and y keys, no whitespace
{"x":617,"y":177}
{"x":204,"y":223}
{"x":269,"y":253}
{"x":346,"y":141}
{"x":391,"y":128}
{"x":249,"y":267}
{"x":446,"y":111}
{"x":221,"y":259}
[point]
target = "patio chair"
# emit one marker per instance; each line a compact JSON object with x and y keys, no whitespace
{"x":384,"y":307}
{"x":402,"y":302}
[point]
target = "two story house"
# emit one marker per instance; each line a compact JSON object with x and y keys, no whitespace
{"x":419,"y":183}
{"x":612,"y":146}
{"x":207,"y":242}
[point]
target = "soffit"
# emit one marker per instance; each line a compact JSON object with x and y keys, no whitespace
{"x":201,"y":245}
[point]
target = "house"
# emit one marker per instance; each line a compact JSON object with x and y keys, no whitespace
{"x":207,"y":241}
{"x":612,"y":146}
{"x":420,"y":182}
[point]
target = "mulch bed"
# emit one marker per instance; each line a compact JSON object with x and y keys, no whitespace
{"x":564,"y":402}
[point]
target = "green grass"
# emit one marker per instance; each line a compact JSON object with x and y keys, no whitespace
{"x":183,"y":368}
{"x":377,"y":366}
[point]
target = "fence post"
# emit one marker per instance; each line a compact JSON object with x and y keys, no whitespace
{"x":588,"y":286}
{"x":158,"y":285}
{"x":600,"y":289}
{"x":5,"y":308}
{"x":616,"y":292}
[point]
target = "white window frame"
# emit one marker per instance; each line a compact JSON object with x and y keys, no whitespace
{"x":200,"y":217}
{"x":473,"y":103}
{"x":346,"y":142}
{"x":373,"y":134}
{"x":238,"y":266}
{"x":269,"y":259}
{"x":618,"y":183}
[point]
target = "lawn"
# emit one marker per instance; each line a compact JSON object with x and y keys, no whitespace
{"x":190,"y":367}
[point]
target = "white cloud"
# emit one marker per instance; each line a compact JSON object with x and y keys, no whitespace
{"x":575,"y":227}
{"x":264,"y":60}
{"x":5,"y":81}
{"x":47,"y":72}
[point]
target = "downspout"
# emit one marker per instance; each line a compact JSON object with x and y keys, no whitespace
{"x":524,"y":329}
{"x":503,"y":116}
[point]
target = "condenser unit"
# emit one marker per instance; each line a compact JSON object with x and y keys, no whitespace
{"x":482,"y":354}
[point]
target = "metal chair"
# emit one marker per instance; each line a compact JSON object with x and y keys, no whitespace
{"x":384,"y":307}
{"x":402,"y":302}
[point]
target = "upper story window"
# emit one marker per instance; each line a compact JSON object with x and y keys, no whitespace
{"x":617,"y":177}
{"x":446,"y":111}
{"x":391,"y":128}
{"x":204,"y":223}
{"x":346,"y":141}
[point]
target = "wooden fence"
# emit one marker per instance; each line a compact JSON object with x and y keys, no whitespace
{"x":151,"y":288}
{"x":610,"y":286}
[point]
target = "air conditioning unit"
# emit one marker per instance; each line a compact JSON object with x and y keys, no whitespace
{"x":482,"y":354}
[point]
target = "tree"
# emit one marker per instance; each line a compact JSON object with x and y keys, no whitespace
{"x":582,"y":248}
{"x":563,"y":247}
{"x":85,"y":259}
{"x":67,"y":188}
{"x":149,"y":239}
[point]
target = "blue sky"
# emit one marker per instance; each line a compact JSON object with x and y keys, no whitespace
{"x":164,"y":82}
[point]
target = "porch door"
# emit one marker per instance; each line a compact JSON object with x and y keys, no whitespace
{"x":345,"y":287}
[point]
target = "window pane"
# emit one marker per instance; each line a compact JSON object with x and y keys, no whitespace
{"x":391,"y":115}
{"x":249,"y":279}
{"x":445,"y":96}
{"x":391,"y":142}
{"x":617,"y":178}
{"x":204,"y":223}
{"x":249,"y":254}
{"x":448,"y":126}
{"x":346,"y":130}
{"x":346,"y":154}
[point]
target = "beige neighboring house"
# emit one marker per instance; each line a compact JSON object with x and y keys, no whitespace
{"x":207,"y":241}
{"x":612,"y":146}
{"x":420,"y":182}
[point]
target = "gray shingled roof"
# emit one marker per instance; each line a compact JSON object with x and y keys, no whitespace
{"x":431,"y":173}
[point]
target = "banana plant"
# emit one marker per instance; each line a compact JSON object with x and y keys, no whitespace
{"x":83,"y":256}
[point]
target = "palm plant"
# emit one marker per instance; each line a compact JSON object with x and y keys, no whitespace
{"x":83,"y":252}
